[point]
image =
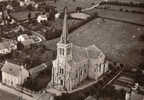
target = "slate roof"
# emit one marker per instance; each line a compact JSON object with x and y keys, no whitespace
{"x":80,"y":53}
{"x":11,"y":68}
{"x":93,"y":51}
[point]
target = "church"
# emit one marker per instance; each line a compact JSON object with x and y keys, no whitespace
{"x":75,"y":64}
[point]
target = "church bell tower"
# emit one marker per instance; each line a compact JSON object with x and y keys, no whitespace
{"x":64,"y":46}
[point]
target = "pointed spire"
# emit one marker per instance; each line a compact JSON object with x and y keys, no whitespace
{"x":64,"y":35}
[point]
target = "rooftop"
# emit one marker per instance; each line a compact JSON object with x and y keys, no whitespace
{"x":11,"y":68}
{"x":32,"y":57}
{"x":5,"y":44}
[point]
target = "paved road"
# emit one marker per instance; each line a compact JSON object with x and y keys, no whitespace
{"x":7,"y":96}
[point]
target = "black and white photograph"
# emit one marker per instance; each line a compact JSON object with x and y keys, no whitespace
{"x":71,"y":49}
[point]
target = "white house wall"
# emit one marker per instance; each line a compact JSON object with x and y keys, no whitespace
{"x":23,"y":76}
{"x":5,"y":51}
{"x":12,"y":80}
{"x":9,"y":79}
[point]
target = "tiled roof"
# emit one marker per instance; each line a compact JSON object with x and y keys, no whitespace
{"x":11,"y":68}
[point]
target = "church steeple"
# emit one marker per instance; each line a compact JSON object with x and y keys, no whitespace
{"x":64,"y":47}
{"x":64,"y":35}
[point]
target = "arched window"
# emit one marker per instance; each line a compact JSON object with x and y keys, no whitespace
{"x":61,"y":51}
{"x":81,"y":72}
{"x":61,"y":70}
{"x":68,"y":51}
{"x":85,"y":70}
{"x":100,"y":68}
{"x":61,"y":82}
{"x":11,"y":82}
{"x":76,"y":75}
{"x":104,"y":68}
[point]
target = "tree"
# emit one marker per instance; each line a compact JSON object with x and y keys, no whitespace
{"x":30,"y":7}
{"x":20,"y":46}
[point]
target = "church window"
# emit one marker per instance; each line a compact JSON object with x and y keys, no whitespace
{"x":100,"y":68}
{"x":76,"y":75}
{"x":104,"y":68}
{"x":11,"y":82}
{"x":68,"y":51}
{"x":85,"y":70}
{"x":61,"y":82}
{"x":61,"y":70}
{"x":61,"y":51}
{"x":81,"y":72}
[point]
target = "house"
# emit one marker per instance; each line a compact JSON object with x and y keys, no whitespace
{"x":79,"y":15}
{"x":42,"y":18}
{"x":7,"y":46}
{"x":36,"y":70}
{"x":27,"y":40}
{"x":13,"y":74}
{"x":133,"y":95}
{"x":23,"y":37}
{"x":74,"y":64}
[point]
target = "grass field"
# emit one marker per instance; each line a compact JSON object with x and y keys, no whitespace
{"x":115,"y":39}
{"x":136,"y":18}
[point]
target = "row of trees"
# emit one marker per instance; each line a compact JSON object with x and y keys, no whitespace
{"x":130,"y":4}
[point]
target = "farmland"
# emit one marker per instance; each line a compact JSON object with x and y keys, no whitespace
{"x":115,"y":38}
